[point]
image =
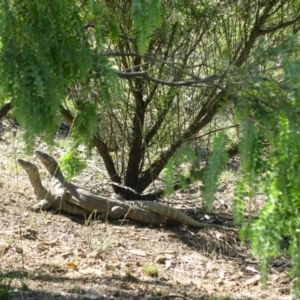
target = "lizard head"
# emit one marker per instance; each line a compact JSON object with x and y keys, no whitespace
{"x":32,"y":172}
{"x":50,"y":164}
{"x":27,"y":166}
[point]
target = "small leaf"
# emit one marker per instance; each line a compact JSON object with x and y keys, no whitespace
{"x":72,"y":265}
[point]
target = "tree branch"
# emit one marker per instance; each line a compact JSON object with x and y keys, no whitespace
{"x":156,"y":167}
{"x":255,"y":33}
{"x":144,"y":75}
{"x":279,"y":26}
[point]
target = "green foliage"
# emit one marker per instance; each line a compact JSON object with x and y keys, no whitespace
{"x":201,"y":10}
{"x":146,"y":20}
{"x":151,"y":270}
{"x":179,"y":167}
{"x":44,"y":49}
{"x":104,"y":83}
{"x":270,"y":158}
{"x":113,"y":27}
{"x":5,"y":286}
{"x":85,"y":123}
{"x":239,"y":199}
{"x":215,"y":167}
{"x":169,"y":178}
{"x":250,"y":148}
{"x":97,"y":13}
{"x":279,"y":218}
{"x":71,"y":164}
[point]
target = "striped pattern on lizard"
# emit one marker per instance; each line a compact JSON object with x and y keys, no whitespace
{"x":40,"y":193}
{"x":55,"y":201}
{"x":150,"y":212}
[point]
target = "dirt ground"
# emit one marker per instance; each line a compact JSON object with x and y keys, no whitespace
{"x":51,"y":256}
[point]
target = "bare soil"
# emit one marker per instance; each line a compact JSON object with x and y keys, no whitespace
{"x":51,"y":256}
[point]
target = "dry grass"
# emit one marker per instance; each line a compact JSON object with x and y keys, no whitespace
{"x":50,"y":256}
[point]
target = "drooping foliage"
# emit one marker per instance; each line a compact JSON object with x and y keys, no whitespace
{"x":46,"y":49}
{"x":146,"y":19}
{"x":215,"y":168}
{"x":270,"y":158}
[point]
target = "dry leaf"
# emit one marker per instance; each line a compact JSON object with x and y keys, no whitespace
{"x":253,"y":281}
{"x":168,"y":264}
{"x":52,"y":243}
{"x":221,"y":274}
{"x":160,"y":259}
{"x":109,"y":267}
{"x":66,"y":254}
{"x":91,"y":271}
{"x":18,"y":250}
{"x":169,"y":256}
{"x":138,"y":263}
{"x":72,"y":265}
{"x":170,"y":251}
{"x":249,"y":268}
{"x":138,"y":252}
{"x":42,"y":246}
{"x":4,"y":248}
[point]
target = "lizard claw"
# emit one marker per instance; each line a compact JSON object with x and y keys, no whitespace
{"x":39,"y":206}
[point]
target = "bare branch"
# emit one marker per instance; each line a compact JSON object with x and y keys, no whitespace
{"x":255,"y":33}
{"x":144,"y":75}
{"x":279,"y":26}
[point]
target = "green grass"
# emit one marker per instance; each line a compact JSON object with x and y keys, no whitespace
{"x":151,"y":270}
{"x":5,"y":285}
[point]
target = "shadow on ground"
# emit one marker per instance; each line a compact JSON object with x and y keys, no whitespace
{"x":114,"y":287}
